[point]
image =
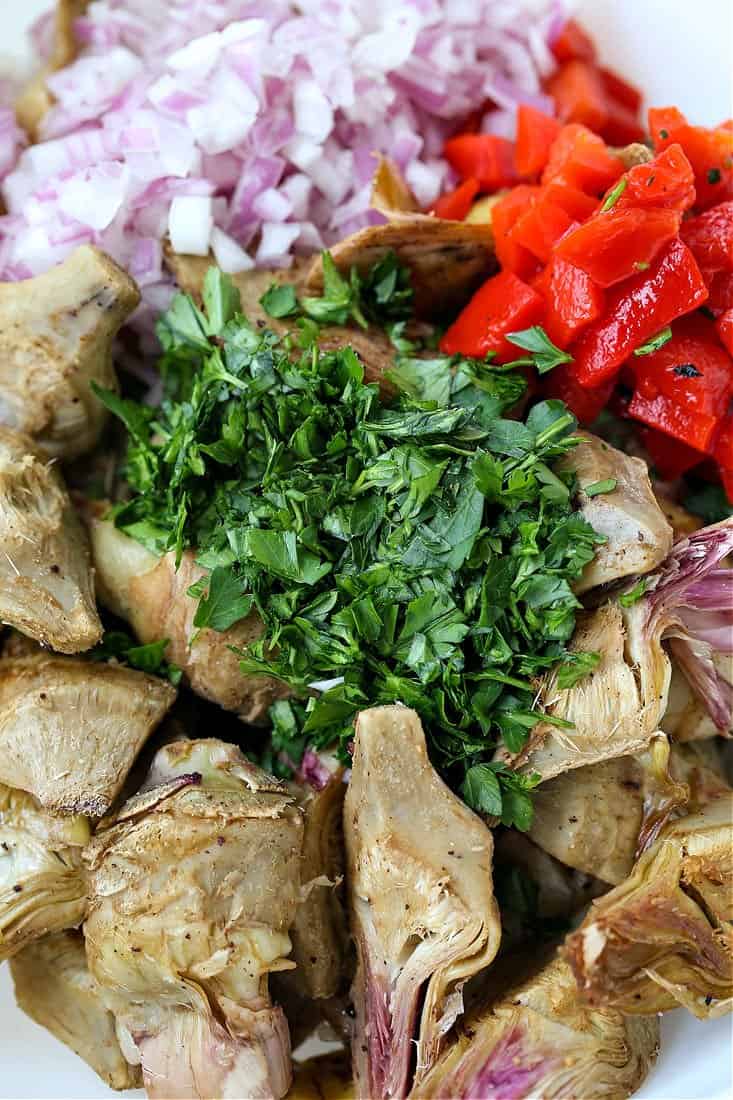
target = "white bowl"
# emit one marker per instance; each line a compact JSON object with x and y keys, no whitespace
{"x":682,"y":54}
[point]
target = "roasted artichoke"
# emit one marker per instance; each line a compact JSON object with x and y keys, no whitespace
{"x":70,"y":729}
{"x":54,"y":987}
{"x":540,"y":1040}
{"x":42,"y":886}
{"x":46,"y":581}
{"x":193,"y":886}
{"x":663,"y":937}
{"x":151,"y":594}
{"x":421,"y":896}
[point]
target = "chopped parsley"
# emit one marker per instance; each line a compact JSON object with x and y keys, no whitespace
{"x":119,"y":646}
{"x":714,"y":175}
{"x":687,"y":370}
{"x":628,"y":599}
{"x":598,"y":487}
{"x":655,"y":342}
{"x":709,"y":502}
{"x":545,"y":355}
{"x":422,"y":550}
{"x":614,"y":195}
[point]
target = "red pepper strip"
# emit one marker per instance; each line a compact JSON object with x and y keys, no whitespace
{"x":541,"y":227}
{"x":670,"y":457}
{"x":580,"y":159}
{"x":485,"y":157}
{"x":724,"y":325}
{"x":536,"y":132}
{"x":637,"y":310}
{"x":573,"y":41}
{"x":710,"y":152}
{"x":504,"y":216}
{"x":721,"y":294}
{"x":619,"y":89}
{"x":584,"y":403}
{"x":613,"y":246}
{"x":456,"y":204}
{"x":667,"y":181}
{"x":622,"y":124}
{"x":577,"y":91}
{"x":709,"y":237}
{"x":503,"y":304}
{"x":573,"y":301}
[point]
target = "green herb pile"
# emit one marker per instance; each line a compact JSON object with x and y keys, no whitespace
{"x":420,"y":551}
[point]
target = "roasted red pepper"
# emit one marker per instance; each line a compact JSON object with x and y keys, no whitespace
{"x":504,"y":217}
{"x":709,"y":237}
{"x":577,"y":91}
{"x":573,"y":300}
{"x":622,"y":125}
{"x":619,"y":89}
{"x":586,"y":404}
{"x":710,"y":152}
{"x":580,"y":158}
{"x":667,"y":182}
{"x":484,"y":157}
{"x":669,"y":456}
{"x":536,"y":132}
{"x":724,"y":327}
{"x":541,"y":227}
{"x":721,"y":294}
{"x":575,"y":203}
{"x":573,"y":41}
{"x":615,"y":245}
{"x":683,"y":388}
{"x":638,"y":309}
{"x":456,"y":204}
{"x":503,"y":304}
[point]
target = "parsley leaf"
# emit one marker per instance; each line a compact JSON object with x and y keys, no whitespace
{"x":545,"y":355}
{"x":224,"y":602}
{"x":119,"y":646}
{"x":597,"y":488}
{"x":280,"y":301}
{"x":628,"y":599}
{"x":574,"y":667}
{"x":614,"y":195}
{"x":655,"y":343}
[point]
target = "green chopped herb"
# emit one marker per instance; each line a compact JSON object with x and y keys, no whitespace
{"x":664,"y":134}
{"x":119,"y":646}
{"x":687,"y":370}
{"x":709,"y":502}
{"x":574,"y":667}
{"x":614,"y":194}
{"x":641,"y":265}
{"x":545,"y":355}
{"x":628,"y":599}
{"x":599,"y":487}
{"x":714,"y":175}
{"x":423,"y":549}
{"x":280,"y":301}
{"x":656,"y":342}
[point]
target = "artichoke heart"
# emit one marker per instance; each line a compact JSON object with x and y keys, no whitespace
{"x":42,"y":886}
{"x":421,"y":896}
{"x":541,"y":1040}
{"x":193,"y":886}
{"x":663,"y":937}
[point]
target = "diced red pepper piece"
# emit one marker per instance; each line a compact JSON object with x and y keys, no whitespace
{"x":710,"y":152}
{"x":615,"y":245}
{"x":536,"y":132}
{"x":541,"y":227}
{"x":721,"y":294}
{"x":573,"y":41}
{"x":666,"y":181}
{"x":575,"y":203}
{"x":709,"y":237}
{"x":585,"y":403}
{"x":456,"y":204}
{"x":667,"y":415}
{"x":663,"y":125}
{"x":580,"y":158}
{"x":724,"y":326}
{"x":577,"y":91}
{"x":622,"y":125}
{"x":671,"y":458}
{"x":573,"y":301}
{"x":637,"y":310}
{"x":484,"y":157}
{"x":619,"y":89}
{"x":503,"y":304}
{"x":504,"y":216}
